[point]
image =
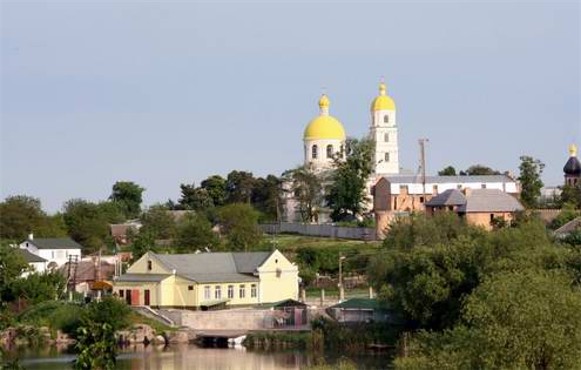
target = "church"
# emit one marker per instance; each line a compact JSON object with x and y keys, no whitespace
{"x":394,"y":192}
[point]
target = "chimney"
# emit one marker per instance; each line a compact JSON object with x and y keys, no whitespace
{"x":31,"y":236}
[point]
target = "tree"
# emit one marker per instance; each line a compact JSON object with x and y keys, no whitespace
{"x":12,"y":265}
{"x":239,"y":222}
{"x":88,"y":223}
{"x":195,"y":198}
{"x":266,"y":197}
{"x":571,"y":194}
{"x":97,"y":346}
{"x":36,"y":287}
{"x":143,"y":243}
{"x":448,"y":171}
{"x":239,"y":185}
{"x":21,"y":215}
{"x":215,"y":186}
{"x":307,"y":189}
{"x":530,"y":180}
{"x":159,"y":222}
{"x":195,"y":232}
{"x":129,"y":196}
{"x":479,"y":170}
{"x":346,"y":194}
{"x":514,"y":320}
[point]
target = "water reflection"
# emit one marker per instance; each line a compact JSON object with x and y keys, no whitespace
{"x":178,"y":357}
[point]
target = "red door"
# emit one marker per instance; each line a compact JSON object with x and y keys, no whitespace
{"x":135,"y":297}
{"x":146,"y":297}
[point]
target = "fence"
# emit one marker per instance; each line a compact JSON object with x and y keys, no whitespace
{"x":322,"y":230}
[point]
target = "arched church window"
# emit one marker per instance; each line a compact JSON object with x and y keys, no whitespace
{"x":387,"y":157}
{"x":386,"y":119}
{"x":386,"y":137}
{"x":329,"y":151}
{"x":314,"y":152}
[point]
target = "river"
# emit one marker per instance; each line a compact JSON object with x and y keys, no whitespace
{"x":194,"y":357}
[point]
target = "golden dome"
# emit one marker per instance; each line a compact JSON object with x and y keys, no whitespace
{"x":324,"y":127}
{"x":573,"y":150}
{"x":383,"y":101}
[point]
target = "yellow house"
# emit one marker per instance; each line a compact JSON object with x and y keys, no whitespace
{"x":206,"y":280}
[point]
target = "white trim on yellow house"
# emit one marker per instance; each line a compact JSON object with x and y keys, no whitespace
{"x":184,"y":281}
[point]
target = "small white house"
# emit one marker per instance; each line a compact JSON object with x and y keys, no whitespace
{"x":56,"y":251}
{"x":37,"y":263}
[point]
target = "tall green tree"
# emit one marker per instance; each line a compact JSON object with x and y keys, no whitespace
{"x":195,"y":198}
{"x":142,"y":243}
{"x":239,"y":185}
{"x":571,"y":194}
{"x":307,"y":190}
{"x":21,"y":215}
{"x":346,"y":195}
{"x":12,"y":265}
{"x":129,"y":196}
{"x":215,"y":186}
{"x":239,"y":223}
{"x":195,"y":232}
{"x":530,"y":180}
{"x":159,"y":222}
{"x":266,"y":197}
{"x":88,"y":223}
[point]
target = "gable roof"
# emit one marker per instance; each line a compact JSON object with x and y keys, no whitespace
{"x":569,"y":227}
{"x":490,"y":200}
{"x":54,"y":243}
{"x":30,"y":257}
{"x":451,"y":197}
{"x":214,"y":267}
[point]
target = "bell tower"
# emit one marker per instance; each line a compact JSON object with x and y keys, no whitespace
{"x":383,"y":131}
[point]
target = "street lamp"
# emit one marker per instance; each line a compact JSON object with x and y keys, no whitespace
{"x":341,"y":291}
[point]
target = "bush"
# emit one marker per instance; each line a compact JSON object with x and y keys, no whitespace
{"x":111,"y":311}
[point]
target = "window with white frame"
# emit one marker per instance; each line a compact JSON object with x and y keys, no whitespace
{"x":386,"y":137}
{"x":314,"y":152}
{"x":386,"y":158}
{"x":217,"y":292}
{"x":253,"y":291}
{"x":207,"y":294}
{"x":386,"y":118}
{"x":242,"y":291}
{"x":230,"y":291}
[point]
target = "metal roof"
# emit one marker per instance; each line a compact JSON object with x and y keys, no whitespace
{"x":220,"y":278}
{"x":569,"y":227}
{"x":142,"y":277}
{"x":214,"y":267}
{"x":490,"y":200}
{"x":30,"y":257}
{"x":407,"y":179}
{"x":54,"y":243}
{"x":451,"y":197}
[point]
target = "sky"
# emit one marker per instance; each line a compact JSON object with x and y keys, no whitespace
{"x":169,"y":92}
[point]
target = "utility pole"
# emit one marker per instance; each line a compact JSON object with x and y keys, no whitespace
{"x":341,"y":290}
{"x":422,"y":143}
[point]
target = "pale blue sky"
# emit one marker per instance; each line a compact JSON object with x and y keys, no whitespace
{"x":163,"y":93}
